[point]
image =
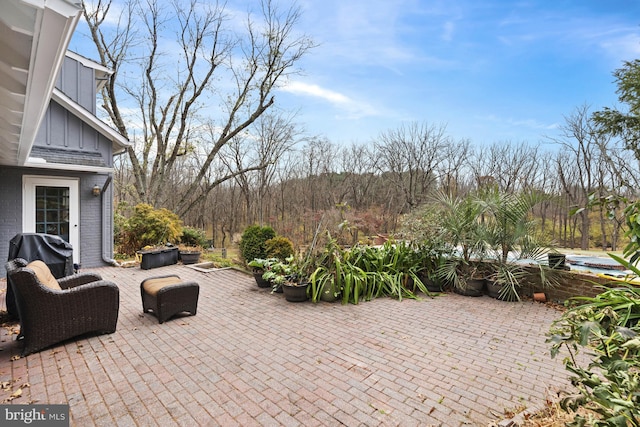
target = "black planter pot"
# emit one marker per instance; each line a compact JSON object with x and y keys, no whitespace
{"x":473,"y":288}
{"x":430,"y":284}
{"x":257,"y":275}
{"x":189,"y":257}
{"x":295,"y":293}
{"x":557,"y":261}
{"x":493,"y":289}
{"x":155,"y":258}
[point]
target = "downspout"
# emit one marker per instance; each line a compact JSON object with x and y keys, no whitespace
{"x":106,"y":220}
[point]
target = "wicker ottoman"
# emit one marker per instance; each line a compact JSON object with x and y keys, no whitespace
{"x":167,"y":296}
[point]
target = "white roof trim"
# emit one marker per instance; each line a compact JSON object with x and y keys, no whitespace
{"x":55,"y":23}
{"x":119,"y":141}
{"x":89,"y":63}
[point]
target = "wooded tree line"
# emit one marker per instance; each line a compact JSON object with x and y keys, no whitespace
{"x":193,"y":88}
{"x":362,"y":190}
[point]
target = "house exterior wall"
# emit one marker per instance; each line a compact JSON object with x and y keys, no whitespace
{"x":92,"y":222}
{"x":62,"y":132}
{"x":78,"y":83}
{"x":10,"y":210}
{"x":61,"y":129}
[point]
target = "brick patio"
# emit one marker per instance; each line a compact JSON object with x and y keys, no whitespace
{"x":249,"y":358}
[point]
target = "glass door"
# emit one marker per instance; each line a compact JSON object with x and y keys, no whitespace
{"x":51,"y":206}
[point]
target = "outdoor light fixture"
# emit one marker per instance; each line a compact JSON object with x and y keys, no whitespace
{"x":95,"y":190}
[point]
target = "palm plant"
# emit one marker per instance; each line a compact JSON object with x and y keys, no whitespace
{"x":510,"y":234}
{"x":462,"y":227}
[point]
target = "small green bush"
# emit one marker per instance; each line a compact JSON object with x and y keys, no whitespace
{"x":252,"y":243}
{"x":148,"y":227}
{"x":607,"y":329}
{"x":279,"y":247}
{"x":193,"y":237}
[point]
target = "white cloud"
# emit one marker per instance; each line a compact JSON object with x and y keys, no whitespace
{"x":448,"y":30}
{"x":626,"y":46}
{"x":354,"y":109}
{"x":522,"y":123}
{"x":316,"y":91}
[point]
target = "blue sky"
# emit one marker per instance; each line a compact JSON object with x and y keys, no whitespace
{"x":490,"y":70}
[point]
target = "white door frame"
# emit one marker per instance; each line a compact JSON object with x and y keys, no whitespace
{"x":29,"y":184}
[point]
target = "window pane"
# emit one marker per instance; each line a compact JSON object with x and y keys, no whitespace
{"x":52,"y":211}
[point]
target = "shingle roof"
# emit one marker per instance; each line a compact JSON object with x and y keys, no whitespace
{"x":68,"y":157}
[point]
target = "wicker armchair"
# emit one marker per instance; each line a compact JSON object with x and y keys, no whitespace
{"x":83,"y":303}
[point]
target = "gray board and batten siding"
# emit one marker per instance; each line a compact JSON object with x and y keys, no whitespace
{"x":79,"y":152}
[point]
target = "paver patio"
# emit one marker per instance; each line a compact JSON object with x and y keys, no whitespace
{"x":249,"y":358}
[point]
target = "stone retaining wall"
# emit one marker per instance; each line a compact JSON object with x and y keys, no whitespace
{"x":571,"y":284}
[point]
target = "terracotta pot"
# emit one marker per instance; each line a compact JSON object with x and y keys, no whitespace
{"x":539,"y":297}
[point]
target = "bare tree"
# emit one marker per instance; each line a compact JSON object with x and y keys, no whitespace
{"x":171,"y":81}
{"x":358,"y":164}
{"x":452,"y":166}
{"x":410,"y":155}
{"x":275,"y":135}
{"x":578,"y":165}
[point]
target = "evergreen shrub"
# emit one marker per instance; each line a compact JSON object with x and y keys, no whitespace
{"x":252,"y":243}
{"x":148,"y":227}
{"x":192,"y":236}
{"x":279,"y":247}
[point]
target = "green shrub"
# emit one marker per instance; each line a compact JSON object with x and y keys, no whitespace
{"x":148,"y":227}
{"x":279,"y":247}
{"x":607,"y":329}
{"x":193,"y":237}
{"x":252,"y":243}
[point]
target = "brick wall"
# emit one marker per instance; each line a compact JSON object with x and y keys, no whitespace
{"x":571,"y":284}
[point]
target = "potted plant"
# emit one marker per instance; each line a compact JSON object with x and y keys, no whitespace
{"x":191,"y":243}
{"x":295,"y":291}
{"x":189,"y":254}
{"x":326,"y":278}
{"x":147,"y":228}
{"x":511,"y":237}
{"x":292,"y":278}
{"x":158,"y":256}
{"x":430,"y":256}
{"x":394,"y":266}
{"x":278,"y":273}
{"x":261,"y":269}
{"x":462,"y":228}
